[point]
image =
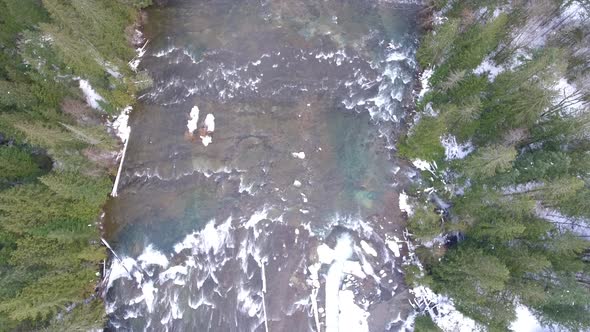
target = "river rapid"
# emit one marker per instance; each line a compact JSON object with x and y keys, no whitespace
{"x":260,"y":186}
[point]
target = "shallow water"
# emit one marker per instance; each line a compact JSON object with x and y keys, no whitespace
{"x":225,"y":237}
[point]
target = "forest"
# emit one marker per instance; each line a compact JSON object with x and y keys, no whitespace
{"x":501,"y":214}
{"x":56,"y":156}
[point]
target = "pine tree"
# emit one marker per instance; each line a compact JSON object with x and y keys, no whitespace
{"x":477,"y":283}
{"x":489,"y":161}
{"x":16,"y":164}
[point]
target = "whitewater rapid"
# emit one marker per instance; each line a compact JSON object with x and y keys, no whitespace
{"x":260,"y":187}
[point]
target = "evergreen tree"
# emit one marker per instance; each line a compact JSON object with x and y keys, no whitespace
{"x":489,"y":161}
{"x":17,"y":163}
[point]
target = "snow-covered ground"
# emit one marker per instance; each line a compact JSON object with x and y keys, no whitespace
{"x":92,"y":97}
{"x":525,"y":321}
{"x":446,"y":316}
{"x":454,"y":150}
{"x":193,"y":120}
{"x":121,"y":124}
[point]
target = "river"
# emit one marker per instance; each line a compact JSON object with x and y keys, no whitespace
{"x":280,"y":211}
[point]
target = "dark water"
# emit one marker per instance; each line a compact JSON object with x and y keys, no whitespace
{"x":225,"y":237}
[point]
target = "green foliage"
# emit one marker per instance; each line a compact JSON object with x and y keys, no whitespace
{"x":73,"y":186}
{"x":470,"y":49}
{"x":48,"y":208}
{"x":476,"y":281}
{"x":424,"y":323}
{"x":424,"y":142}
{"x":84,"y":317}
{"x":530,"y":155}
{"x":425,"y":223}
{"x":18,"y":15}
{"x":46,"y":296}
{"x":435,"y":48}
{"x":17,"y":163}
{"x":15,"y":95}
{"x":138,"y":3}
{"x":489,"y":161}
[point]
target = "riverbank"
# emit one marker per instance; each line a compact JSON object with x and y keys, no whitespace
{"x":60,"y":85}
{"x":492,"y":167}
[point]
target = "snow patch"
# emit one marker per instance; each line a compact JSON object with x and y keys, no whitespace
{"x":121,"y":124}
{"x":575,"y":12}
{"x":206,"y":140}
{"x":210,"y":123}
{"x":394,"y":246}
{"x":525,"y":321}
{"x":424,"y":165}
{"x":193,"y":119}
{"x":446,"y":316}
{"x":368,"y":249}
{"x":454,"y":150}
{"x":562,"y":222}
{"x":569,"y":96}
{"x":92,"y":97}
{"x":488,"y":66}
{"x":300,"y":155}
{"x":404,"y":206}
{"x":425,"y":82}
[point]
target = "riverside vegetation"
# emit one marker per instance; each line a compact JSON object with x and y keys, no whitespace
{"x":56,"y":156}
{"x":517,"y":219}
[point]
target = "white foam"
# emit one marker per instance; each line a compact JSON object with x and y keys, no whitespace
{"x":123,"y":268}
{"x":210,"y":238}
{"x":396,"y":56}
{"x":256,"y":217}
{"x":352,"y":318}
{"x":149,"y":294}
{"x":342,"y":252}
{"x":297,"y":183}
{"x":325,"y":254}
{"x":151,"y":256}
{"x":165,"y":52}
{"x":354,"y":268}
{"x":173,"y":272}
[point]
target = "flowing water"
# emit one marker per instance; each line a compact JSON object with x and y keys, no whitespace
{"x":288,"y":220}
